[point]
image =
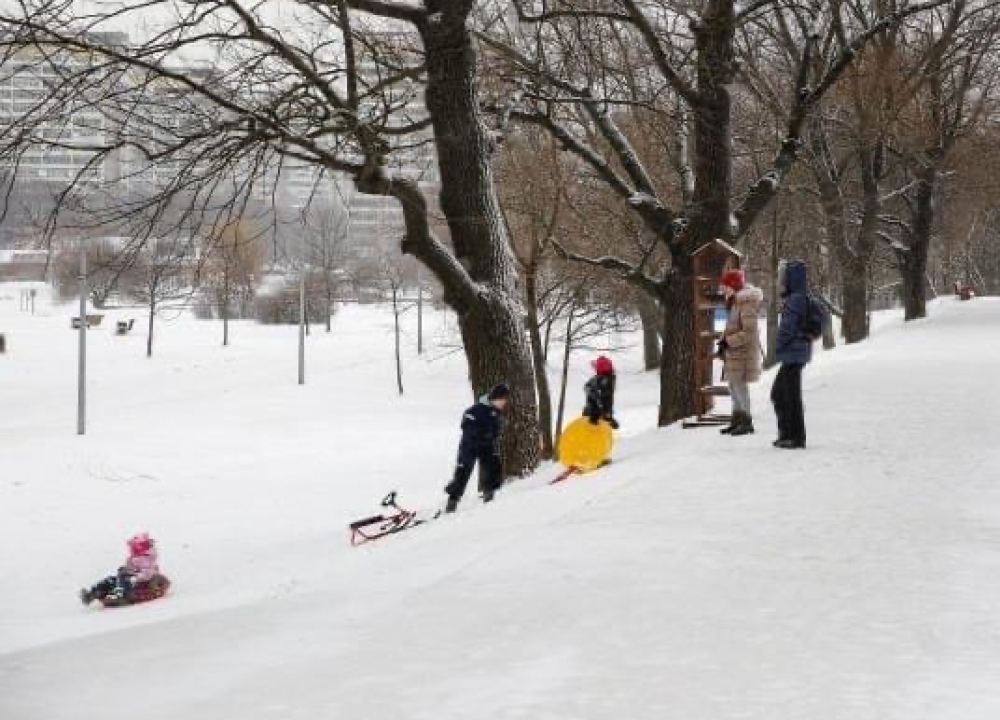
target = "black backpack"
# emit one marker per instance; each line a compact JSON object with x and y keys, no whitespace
{"x":815,"y":320}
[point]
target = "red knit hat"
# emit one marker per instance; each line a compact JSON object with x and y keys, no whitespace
{"x":734,"y":279}
{"x":603,"y":365}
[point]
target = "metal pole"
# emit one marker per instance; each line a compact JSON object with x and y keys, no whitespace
{"x":302,"y":327}
{"x":420,"y":315}
{"x":81,"y":399}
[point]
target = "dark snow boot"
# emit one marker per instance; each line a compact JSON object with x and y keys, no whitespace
{"x":745,"y":426}
{"x":452,"y":504}
{"x":790,"y":444}
{"x":86,"y":597}
{"x":733,"y":424}
{"x":488,"y":496}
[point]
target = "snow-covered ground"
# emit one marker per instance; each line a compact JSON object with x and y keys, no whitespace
{"x":697,"y":578}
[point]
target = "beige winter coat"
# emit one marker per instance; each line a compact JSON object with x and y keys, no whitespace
{"x":743,"y":359}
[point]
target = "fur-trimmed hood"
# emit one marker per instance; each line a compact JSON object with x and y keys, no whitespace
{"x":750,"y":293}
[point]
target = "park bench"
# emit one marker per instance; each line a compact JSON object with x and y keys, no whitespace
{"x":92,"y":321}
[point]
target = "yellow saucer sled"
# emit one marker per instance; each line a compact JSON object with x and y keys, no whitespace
{"x":584,"y":446}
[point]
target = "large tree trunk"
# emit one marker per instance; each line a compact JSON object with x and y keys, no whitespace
{"x":490,"y":317}
{"x":652,"y":323}
{"x":677,"y":394}
{"x":913,"y":261}
{"x":855,"y":262}
{"x":854,"y":278}
{"x":773,"y":305}
{"x":709,"y":213}
{"x":542,"y":388}
{"x":497,"y":352}
{"x":829,"y":337}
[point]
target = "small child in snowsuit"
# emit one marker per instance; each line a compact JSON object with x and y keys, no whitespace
{"x":600,"y":393}
{"x":481,"y":426}
{"x":140,"y":567}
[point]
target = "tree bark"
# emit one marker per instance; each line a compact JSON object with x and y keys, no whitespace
{"x":496,"y":350}
{"x":913,"y":261}
{"x":710,"y":210}
{"x":677,"y":394}
{"x":854,"y":279}
{"x":652,"y":323}
{"x":542,"y":388}
{"x":829,"y":337}
{"x":855,"y":261}
{"x":490,"y":317}
{"x":773,"y":301}
{"x":567,"y":351}
{"x":709,"y":214}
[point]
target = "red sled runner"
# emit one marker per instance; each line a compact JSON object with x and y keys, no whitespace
{"x":378,"y":526}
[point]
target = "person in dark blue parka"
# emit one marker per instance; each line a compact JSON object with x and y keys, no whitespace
{"x":481,"y":427}
{"x":794,"y":351}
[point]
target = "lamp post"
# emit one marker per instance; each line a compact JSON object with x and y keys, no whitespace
{"x":420,"y":315}
{"x":81,"y":398}
{"x":302,"y":327}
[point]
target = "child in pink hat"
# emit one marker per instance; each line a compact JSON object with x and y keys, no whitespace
{"x":140,"y":567}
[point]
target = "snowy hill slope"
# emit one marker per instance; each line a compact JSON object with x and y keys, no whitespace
{"x":855,"y":580}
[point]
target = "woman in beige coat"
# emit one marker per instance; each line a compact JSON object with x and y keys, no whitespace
{"x":740,"y":347}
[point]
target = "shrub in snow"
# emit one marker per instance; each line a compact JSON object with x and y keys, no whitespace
{"x":280,"y":306}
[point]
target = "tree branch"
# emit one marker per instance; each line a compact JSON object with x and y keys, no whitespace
{"x":460,"y":288}
{"x":629,"y":272}
{"x":806,"y":99}
{"x":583,"y":151}
{"x":390,"y":10}
{"x":681,"y":86}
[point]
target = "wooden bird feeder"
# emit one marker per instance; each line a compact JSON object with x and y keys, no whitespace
{"x":710,"y":261}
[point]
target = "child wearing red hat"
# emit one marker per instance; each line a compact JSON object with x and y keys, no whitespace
{"x":740,"y":347}
{"x":600,"y":392}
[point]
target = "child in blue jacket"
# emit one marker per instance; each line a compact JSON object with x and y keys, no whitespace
{"x":481,"y":427}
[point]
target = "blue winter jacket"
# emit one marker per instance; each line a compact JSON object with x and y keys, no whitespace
{"x":793,"y":347}
{"x":481,"y":427}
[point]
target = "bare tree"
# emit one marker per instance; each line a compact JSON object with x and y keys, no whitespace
{"x":165,"y":276}
{"x":235,"y":257}
{"x":532,"y":188}
{"x":580,"y":68}
{"x":393,"y":279}
{"x":333,"y":90}
{"x":956,"y":91}
{"x":587,"y":322}
{"x":325,"y":228}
